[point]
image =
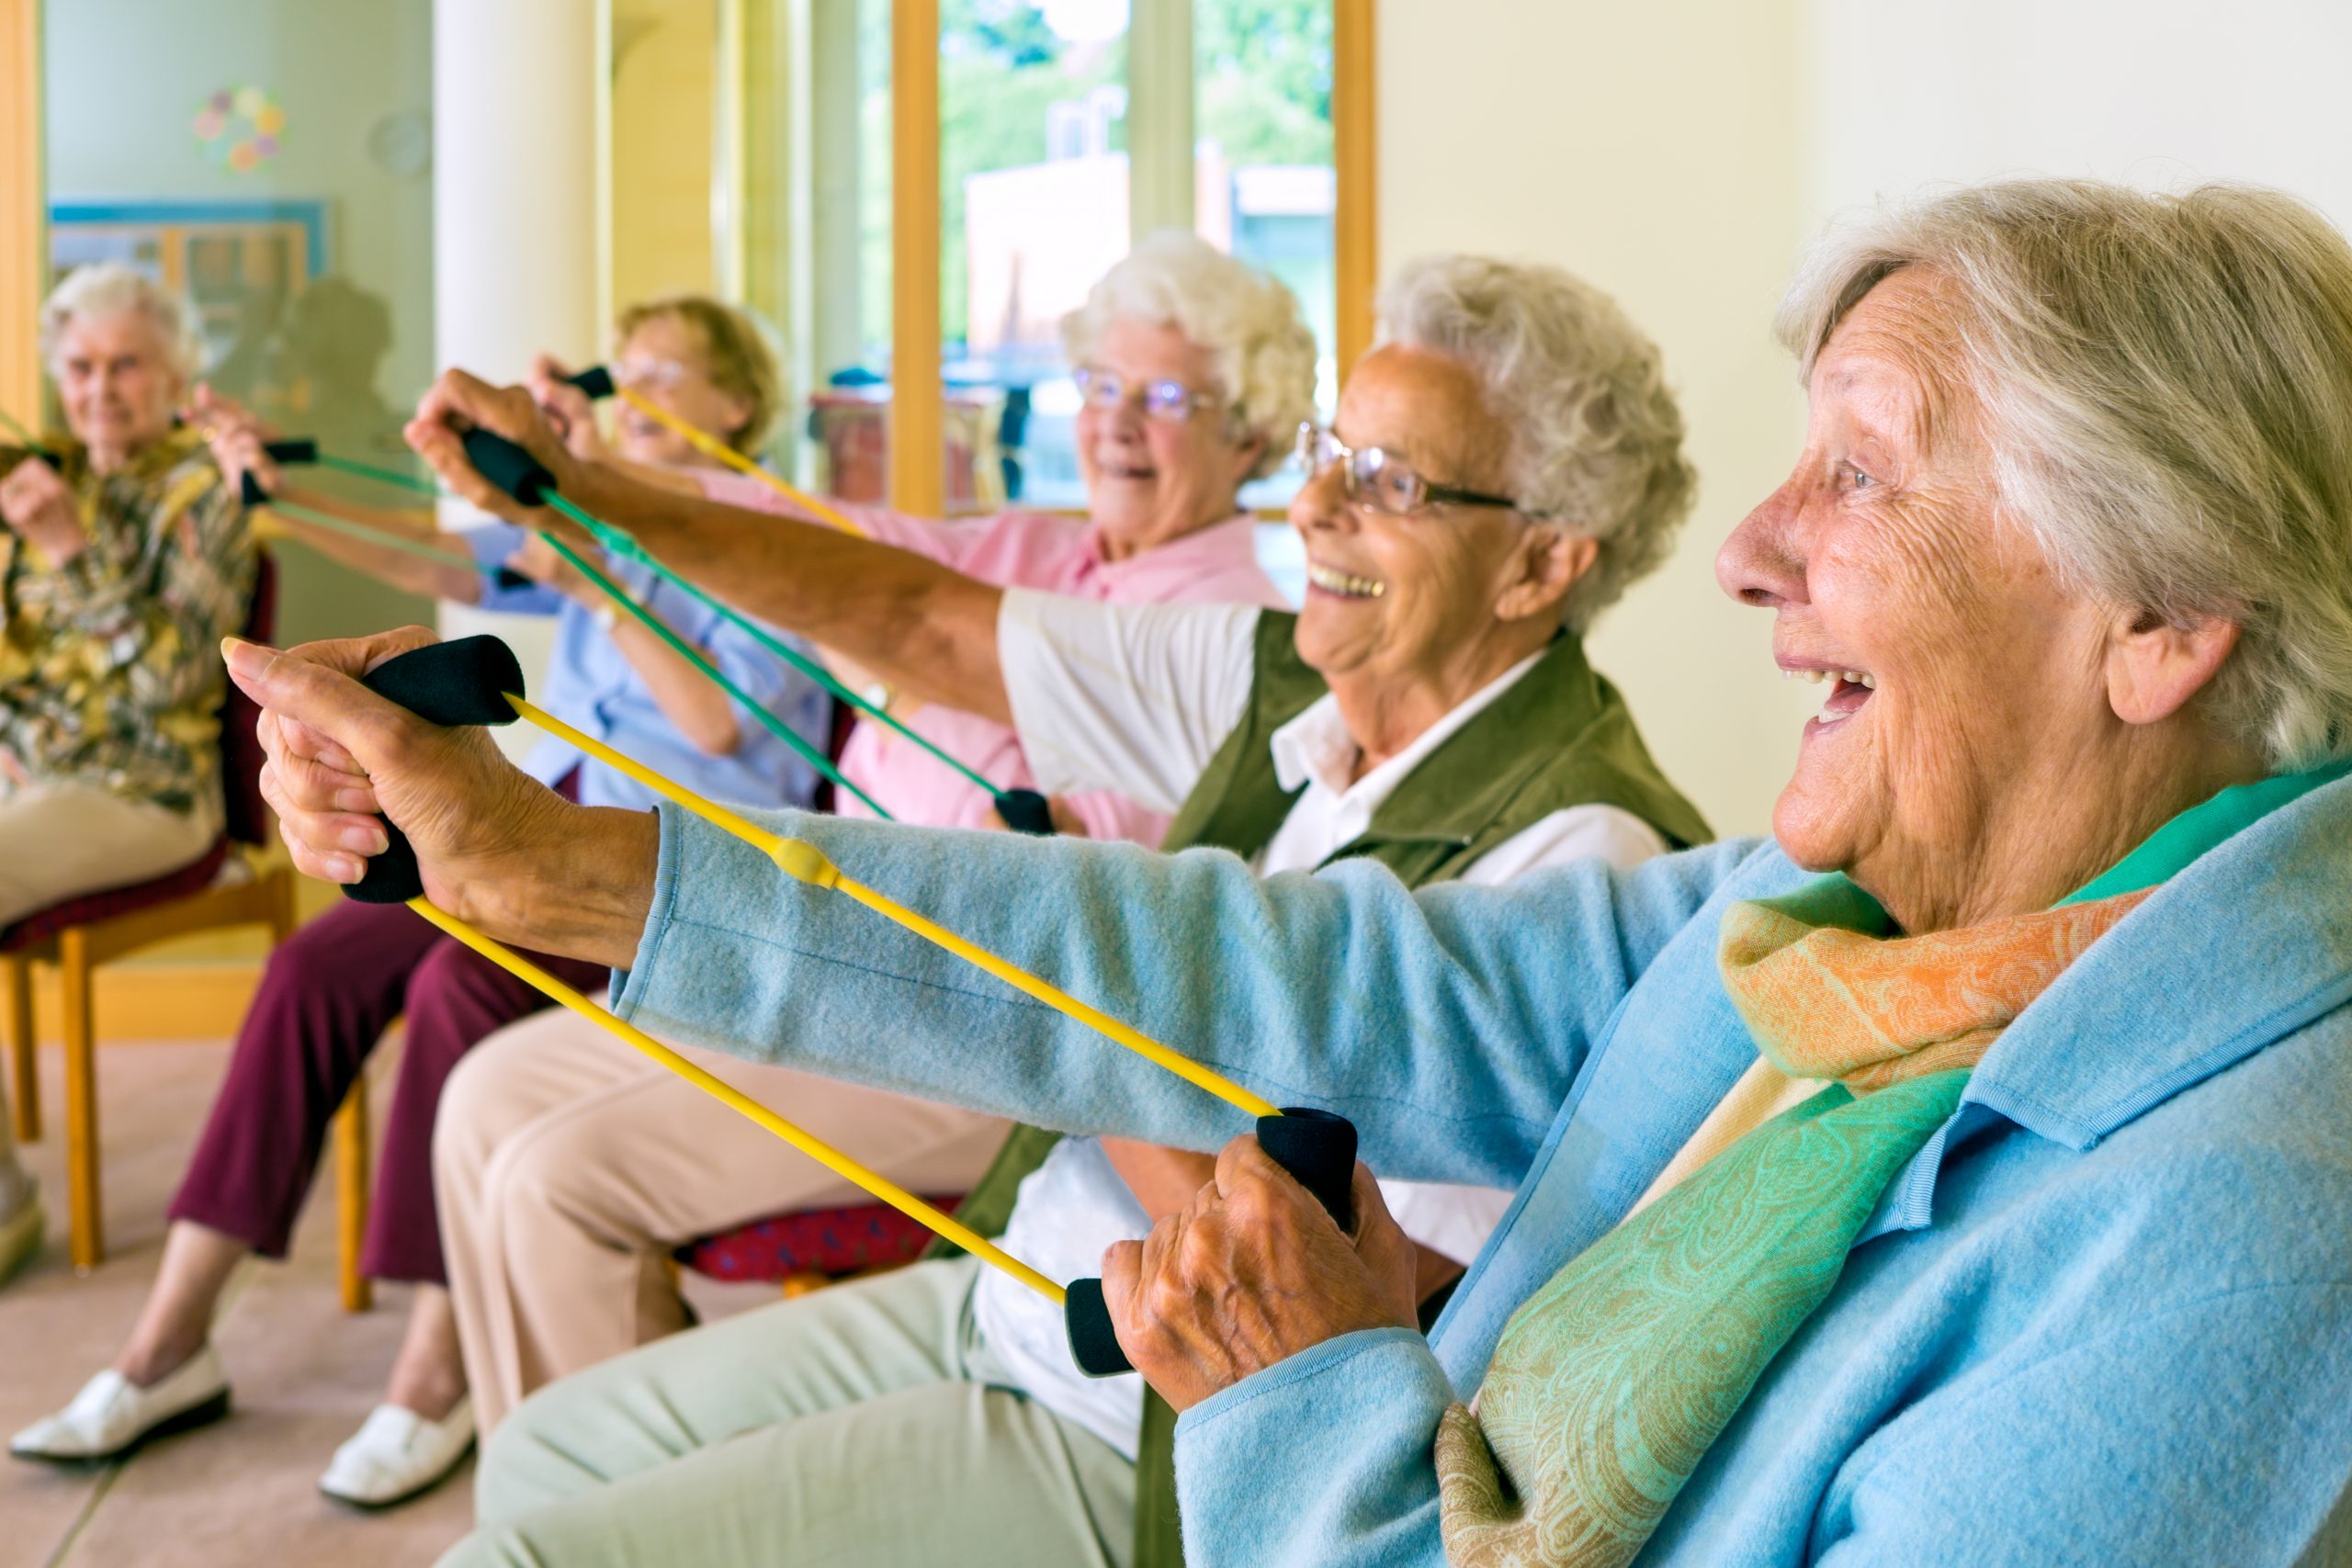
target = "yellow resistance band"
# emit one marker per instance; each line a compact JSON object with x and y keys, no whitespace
{"x":710,"y":446}
{"x":816,"y":1148}
{"x":805,"y":861}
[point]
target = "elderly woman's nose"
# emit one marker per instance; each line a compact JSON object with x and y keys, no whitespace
{"x":1763,"y":561}
{"x":1321,"y":502}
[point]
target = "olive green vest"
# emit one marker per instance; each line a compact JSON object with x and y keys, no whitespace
{"x":1560,"y":738}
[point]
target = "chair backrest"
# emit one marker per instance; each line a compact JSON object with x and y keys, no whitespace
{"x":241,"y":753}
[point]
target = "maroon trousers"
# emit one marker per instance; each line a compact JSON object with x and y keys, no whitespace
{"x":329,"y":994}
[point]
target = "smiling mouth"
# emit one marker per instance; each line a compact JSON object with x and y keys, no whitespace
{"x":1849,"y":692}
{"x":1344,"y":584}
{"x":1126,"y":468}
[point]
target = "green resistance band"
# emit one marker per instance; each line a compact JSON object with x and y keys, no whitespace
{"x":620,"y":544}
{"x":653,"y":623}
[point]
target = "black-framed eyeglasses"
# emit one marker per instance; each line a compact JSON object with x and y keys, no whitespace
{"x":1383,"y":481}
{"x":1169,"y":401}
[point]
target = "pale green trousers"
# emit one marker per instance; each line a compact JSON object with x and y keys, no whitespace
{"x":856,"y":1424}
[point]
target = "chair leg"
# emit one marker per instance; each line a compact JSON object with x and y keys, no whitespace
{"x":351,"y":1195}
{"x":88,"y":1224}
{"x":24,"y":1051}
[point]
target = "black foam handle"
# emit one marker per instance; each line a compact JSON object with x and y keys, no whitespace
{"x":1026,"y":811}
{"x":449,"y":683}
{"x":1317,"y":1148}
{"x":597,"y":382}
{"x":508,"y":466}
{"x":294,"y":449}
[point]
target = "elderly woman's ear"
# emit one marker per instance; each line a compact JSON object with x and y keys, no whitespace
{"x":2155,"y":666}
{"x":1551,"y":559}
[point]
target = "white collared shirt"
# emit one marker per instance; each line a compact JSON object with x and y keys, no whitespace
{"x":1138,"y":698}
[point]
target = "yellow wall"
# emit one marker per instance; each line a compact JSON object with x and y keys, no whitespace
{"x":664,"y":64}
{"x":1653,"y":150}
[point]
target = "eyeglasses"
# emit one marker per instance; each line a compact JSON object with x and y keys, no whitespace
{"x":1169,"y":401}
{"x":1379,"y":480}
{"x":643,"y":370}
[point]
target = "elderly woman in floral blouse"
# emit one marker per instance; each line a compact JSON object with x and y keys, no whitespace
{"x":124,"y":560}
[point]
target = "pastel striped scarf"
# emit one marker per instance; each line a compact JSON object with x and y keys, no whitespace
{"x":1611,"y":1382}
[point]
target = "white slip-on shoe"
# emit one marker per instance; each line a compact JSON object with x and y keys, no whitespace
{"x":112,"y":1415}
{"x":21,"y":1233}
{"x":398,"y":1454}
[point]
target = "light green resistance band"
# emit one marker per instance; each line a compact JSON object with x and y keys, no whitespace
{"x":388,"y":538}
{"x":620,"y":544}
{"x":653,"y":623}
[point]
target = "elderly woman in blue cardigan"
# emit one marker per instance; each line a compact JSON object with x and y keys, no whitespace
{"x":1959,"y":1175}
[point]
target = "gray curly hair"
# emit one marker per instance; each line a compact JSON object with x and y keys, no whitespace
{"x":1247,"y":320}
{"x":1596,"y":436}
{"x":108,"y":288}
{"x":2168,"y":387}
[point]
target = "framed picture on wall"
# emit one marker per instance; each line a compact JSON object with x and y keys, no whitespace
{"x":240,"y":264}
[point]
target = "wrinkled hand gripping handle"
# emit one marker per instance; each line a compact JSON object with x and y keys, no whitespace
{"x":449,"y":683}
{"x":508,"y":466}
{"x":1317,"y":1147}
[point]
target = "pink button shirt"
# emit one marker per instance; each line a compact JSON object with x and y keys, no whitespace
{"x":1019,"y":549}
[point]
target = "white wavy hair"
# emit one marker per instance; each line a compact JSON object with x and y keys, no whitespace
{"x":1596,"y":436}
{"x":1247,"y":320}
{"x":2166,"y":382}
{"x":109,"y":288}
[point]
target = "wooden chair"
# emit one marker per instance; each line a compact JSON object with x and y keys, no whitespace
{"x":80,"y":934}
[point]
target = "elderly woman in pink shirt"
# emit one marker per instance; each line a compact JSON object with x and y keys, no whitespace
{"x":566,"y":1168}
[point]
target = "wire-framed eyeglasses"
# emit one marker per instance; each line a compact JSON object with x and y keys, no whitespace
{"x":645,"y":370}
{"x":1167,"y":400}
{"x":1383,"y":481}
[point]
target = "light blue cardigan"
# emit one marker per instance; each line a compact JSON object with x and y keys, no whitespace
{"x":2105,"y":1317}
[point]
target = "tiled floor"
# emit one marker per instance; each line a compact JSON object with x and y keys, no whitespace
{"x":304,"y":1372}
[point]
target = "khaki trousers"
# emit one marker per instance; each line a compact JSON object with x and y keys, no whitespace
{"x":567,"y":1167}
{"x":860,"y":1425}
{"x":61,"y":839}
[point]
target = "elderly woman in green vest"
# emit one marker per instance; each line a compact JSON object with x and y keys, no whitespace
{"x":1500,"y":470}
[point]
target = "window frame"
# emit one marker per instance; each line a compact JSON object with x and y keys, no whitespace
{"x":918,"y":394}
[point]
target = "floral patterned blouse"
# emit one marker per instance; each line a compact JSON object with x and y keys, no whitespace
{"x":110,"y":665}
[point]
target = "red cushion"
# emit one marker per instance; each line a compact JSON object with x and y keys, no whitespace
{"x":91,"y":908}
{"x":815,"y":1241}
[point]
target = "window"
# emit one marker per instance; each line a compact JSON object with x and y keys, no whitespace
{"x":1056,"y":131}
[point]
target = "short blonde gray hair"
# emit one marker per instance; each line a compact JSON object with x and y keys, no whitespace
{"x":742,"y":363}
{"x":1247,"y":320}
{"x":1596,"y":436}
{"x":2166,"y":382}
{"x":111,"y":288}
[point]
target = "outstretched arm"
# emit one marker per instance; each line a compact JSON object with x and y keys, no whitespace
{"x":923,"y":628}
